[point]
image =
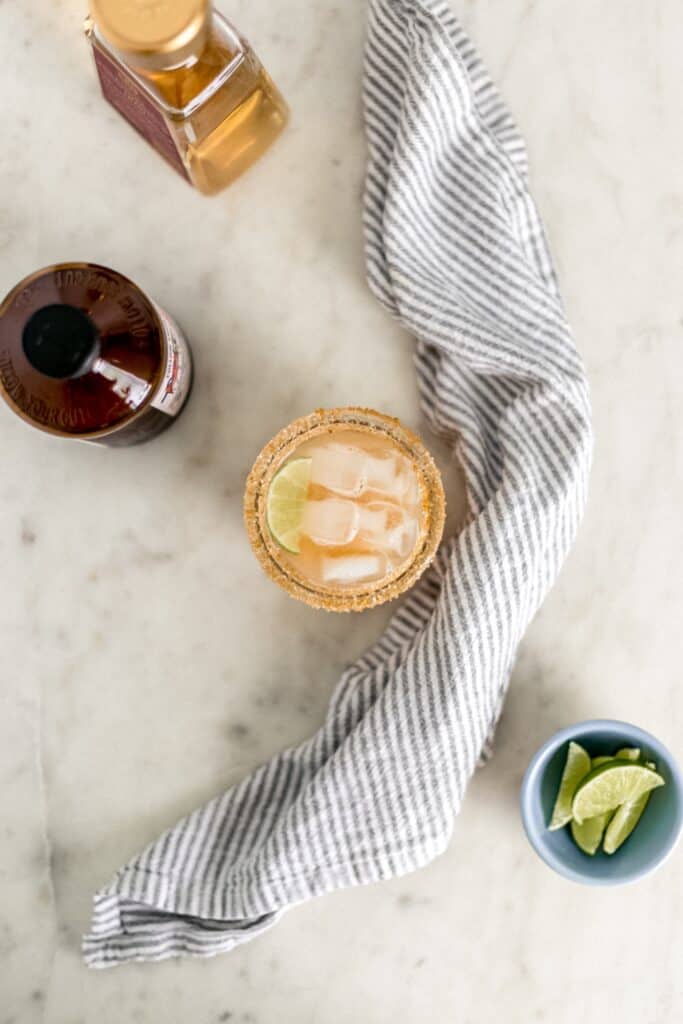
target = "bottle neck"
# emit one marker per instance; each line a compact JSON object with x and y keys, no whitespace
{"x":60,"y":341}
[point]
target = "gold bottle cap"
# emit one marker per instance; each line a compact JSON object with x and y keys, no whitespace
{"x":152,"y":29}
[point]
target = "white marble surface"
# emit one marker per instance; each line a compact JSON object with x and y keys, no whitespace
{"x":147,"y":663}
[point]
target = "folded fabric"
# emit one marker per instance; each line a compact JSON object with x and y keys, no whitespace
{"x":456,"y":251}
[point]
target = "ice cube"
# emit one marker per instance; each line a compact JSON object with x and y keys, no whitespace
{"x":407,"y":485}
{"x":340,"y":468}
{"x":382,"y":472}
{"x":330,"y":522}
{"x":353,"y":568}
{"x":374,"y":520}
{"x":401,"y":540}
{"x":392,"y":476}
{"x":387,"y":528}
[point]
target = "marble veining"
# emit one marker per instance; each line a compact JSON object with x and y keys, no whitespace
{"x":147,"y":663}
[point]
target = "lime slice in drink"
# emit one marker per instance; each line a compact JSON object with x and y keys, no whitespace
{"x":611,"y":784}
{"x":624,"y":822}
{"x":286,"y":502}
{"x":577,"y":765}
{"x":588,"y":836}
{"x":595,"y":761}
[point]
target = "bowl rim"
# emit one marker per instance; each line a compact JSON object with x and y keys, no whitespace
{"x":537,"y":765}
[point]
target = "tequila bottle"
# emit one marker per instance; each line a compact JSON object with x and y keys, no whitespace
{"x":188,"y":83}
{"x":345,"y":508}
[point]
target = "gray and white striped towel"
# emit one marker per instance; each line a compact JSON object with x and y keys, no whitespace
{"x":456,"y":251}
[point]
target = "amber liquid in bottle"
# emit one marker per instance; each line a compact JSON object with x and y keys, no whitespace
{"x":85,"y":354}
{"x":211,"y":114}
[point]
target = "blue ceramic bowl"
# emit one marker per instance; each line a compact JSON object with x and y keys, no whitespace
{"x":649,"y":844}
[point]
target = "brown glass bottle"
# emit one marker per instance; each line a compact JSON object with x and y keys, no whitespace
{"x":85,"y":354}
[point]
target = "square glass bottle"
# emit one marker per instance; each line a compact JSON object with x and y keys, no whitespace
{"x":188,"y":83}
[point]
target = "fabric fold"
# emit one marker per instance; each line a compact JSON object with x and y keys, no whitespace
{"x":456,"y":251}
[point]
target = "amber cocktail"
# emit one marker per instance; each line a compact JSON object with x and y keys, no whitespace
{"x":345,"y":508}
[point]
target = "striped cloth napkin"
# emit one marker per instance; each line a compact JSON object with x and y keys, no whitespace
{"x":456,"y":251}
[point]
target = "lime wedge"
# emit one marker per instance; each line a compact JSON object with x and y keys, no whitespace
{"x":588,"y":836}
{"x":625,"y":754}
{"x":609,"y":785}
{"x":626,"y":818}
{"x":628,"y":754}
{"x":624,"y":822}
{"x":286,"y":502}
{"x":577,"y":765}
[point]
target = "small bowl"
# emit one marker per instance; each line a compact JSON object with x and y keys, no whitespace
{"x":649,"y":844}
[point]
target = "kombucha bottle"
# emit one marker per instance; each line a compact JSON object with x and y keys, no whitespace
{"x":85,"y":354}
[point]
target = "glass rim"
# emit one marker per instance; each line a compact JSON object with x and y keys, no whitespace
{"x":336,"y":597}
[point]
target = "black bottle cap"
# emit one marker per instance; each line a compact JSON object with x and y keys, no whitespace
{"x":59,"y":341}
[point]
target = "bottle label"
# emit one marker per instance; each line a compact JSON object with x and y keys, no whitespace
{"x":170,"y":395}
{"x":120,"y":88}
{"x":176,"y":380}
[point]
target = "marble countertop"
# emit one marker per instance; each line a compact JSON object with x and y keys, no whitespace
{"x":147,"y":662}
